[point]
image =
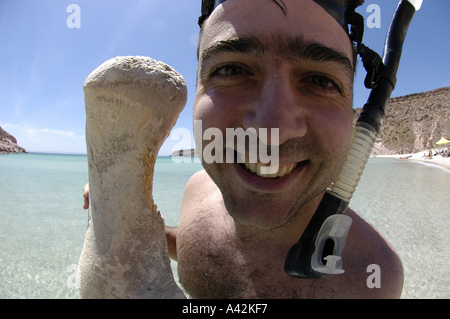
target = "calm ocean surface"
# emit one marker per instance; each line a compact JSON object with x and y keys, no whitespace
{"x":42,"y":223}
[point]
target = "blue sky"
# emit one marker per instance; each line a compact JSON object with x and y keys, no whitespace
{"x":43,"y":62}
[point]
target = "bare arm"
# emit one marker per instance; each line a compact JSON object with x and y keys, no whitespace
{"x":171,"y":235}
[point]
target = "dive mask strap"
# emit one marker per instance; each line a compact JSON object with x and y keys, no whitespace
{"x":340,"y":10}
{"x":337,"y":9}
{"x":208,"y":7}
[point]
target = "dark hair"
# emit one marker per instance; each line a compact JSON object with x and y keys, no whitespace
{"x":355,"y":3}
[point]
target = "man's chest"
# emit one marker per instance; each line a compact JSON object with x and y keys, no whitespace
{"x":210,"y":269}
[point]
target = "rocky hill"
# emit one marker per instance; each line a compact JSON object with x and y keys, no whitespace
{"x":8,"y":143}
{"x":414,"y":123}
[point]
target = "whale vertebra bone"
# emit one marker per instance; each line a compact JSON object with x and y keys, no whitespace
{"x":132,"y":103}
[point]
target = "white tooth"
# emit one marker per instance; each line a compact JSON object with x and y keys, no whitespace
{"x":282,"y":172}
{"x":274,"y":175}
{"x":269,"y":170}
{"x":290,"y":169}
{"x":264,"y":171}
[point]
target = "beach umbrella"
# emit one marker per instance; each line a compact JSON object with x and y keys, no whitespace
{"x":442,"y":141}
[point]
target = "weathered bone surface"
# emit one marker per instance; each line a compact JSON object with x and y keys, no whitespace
{"x":132,"y":103}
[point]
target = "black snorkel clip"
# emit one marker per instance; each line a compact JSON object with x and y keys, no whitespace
{"x":318,"y":252}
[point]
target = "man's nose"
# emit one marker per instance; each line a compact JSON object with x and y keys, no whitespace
{"x":278,"y":106}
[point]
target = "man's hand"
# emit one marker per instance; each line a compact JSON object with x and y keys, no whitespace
{"x":86,"y":196}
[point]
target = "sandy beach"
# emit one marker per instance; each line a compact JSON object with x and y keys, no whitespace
{"x":420,"y":157}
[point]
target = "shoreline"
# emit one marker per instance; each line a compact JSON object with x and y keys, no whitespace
{"x":419,"y":157}
{"x":8,"y":152}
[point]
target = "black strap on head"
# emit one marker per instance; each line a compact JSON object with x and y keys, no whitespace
{"x":208,"y":7}
{"x":343,"y":11}
{"x":337,"y":9}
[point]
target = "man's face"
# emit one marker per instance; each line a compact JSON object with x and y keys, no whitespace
{"x":261,"y":67}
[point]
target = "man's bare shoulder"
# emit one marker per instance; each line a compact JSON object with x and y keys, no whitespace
{"x":198,"y":189}
{"x":369,"y":255}
{"x":198,"y":182}
{"x":199,"y":178}
{"x":202,"y":200}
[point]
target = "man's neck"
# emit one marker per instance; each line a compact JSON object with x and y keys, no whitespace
{"x":282,"y":237}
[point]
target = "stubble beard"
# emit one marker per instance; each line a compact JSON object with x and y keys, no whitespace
{"x":257,"y":210}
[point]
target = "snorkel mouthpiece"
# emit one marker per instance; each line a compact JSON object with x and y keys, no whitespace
{"x":332,"y":234}
{"x":318,"y":252}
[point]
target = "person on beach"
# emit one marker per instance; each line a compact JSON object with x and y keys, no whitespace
{"x":273,"y":64}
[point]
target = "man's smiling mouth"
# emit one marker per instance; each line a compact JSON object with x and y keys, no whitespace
{"x":269,"y":171}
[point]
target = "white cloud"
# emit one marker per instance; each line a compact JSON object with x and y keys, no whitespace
{"x":61,"y":133}
{"x":46,"y":139}
{"x":8,"y":126}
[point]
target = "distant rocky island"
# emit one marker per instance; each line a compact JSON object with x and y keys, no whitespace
{"x":185,"y":153}
{"x":8,"y":143}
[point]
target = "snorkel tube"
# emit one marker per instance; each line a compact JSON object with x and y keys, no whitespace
{"x":318,"y":252}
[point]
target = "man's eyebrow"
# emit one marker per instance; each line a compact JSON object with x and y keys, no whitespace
{"x":289,"y":48}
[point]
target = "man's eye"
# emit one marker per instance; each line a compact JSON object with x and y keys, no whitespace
{"x":228,"y":70}
{"x":324,"y":83}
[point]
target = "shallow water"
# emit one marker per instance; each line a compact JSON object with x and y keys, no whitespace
{"x":42,"y":224}
{"x":408,"y":203}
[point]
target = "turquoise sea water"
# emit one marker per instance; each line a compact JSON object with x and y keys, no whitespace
{"x":42,"y":223}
